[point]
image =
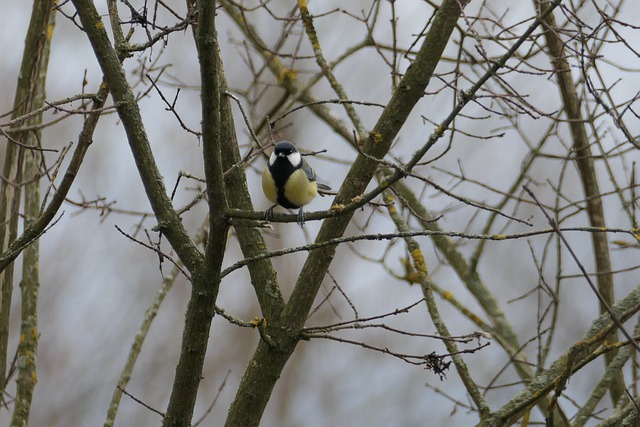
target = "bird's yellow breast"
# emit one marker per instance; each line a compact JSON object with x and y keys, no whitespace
{"x":298,"y":189}
{"x":269,"y":186}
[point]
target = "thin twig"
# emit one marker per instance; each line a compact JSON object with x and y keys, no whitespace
{"x":593,"y":287}
{"x":135,"y":399}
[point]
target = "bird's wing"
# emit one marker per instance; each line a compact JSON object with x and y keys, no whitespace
{"x":307,"y":169}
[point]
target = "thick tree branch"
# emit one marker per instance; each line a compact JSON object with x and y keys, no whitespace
{"x":572,"y":360}
{"x":206,"y":278}
{"x":410,"y":90}
{"x":257,"y":383}
{"x":586,"y":168}
{"x":613,"y":369}
{"x":169,"y":222}
{"x":30,"y":95}
{"x":252,"y":244}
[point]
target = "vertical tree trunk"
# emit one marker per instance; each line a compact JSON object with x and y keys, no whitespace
{"x":22,"y":164}
{"x":588,"y":177}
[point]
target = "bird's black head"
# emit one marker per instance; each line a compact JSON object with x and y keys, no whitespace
{"x":284,"y":148}
{"x":285,"y":157}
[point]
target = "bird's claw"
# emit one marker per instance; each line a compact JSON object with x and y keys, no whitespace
{"x":268,"y":214}
{"x":300,"y":219}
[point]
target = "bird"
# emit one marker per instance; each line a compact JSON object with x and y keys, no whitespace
{"x":289,"y":181}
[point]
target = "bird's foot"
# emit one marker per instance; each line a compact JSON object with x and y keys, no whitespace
{"x":268,"y":214}
{"x":300,"y":219}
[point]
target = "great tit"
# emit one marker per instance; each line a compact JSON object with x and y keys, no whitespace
{"x":288,"y":180}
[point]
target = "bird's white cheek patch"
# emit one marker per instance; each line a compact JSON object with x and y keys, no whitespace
{"x":273,"y":158}
{"x":295,"y":158}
